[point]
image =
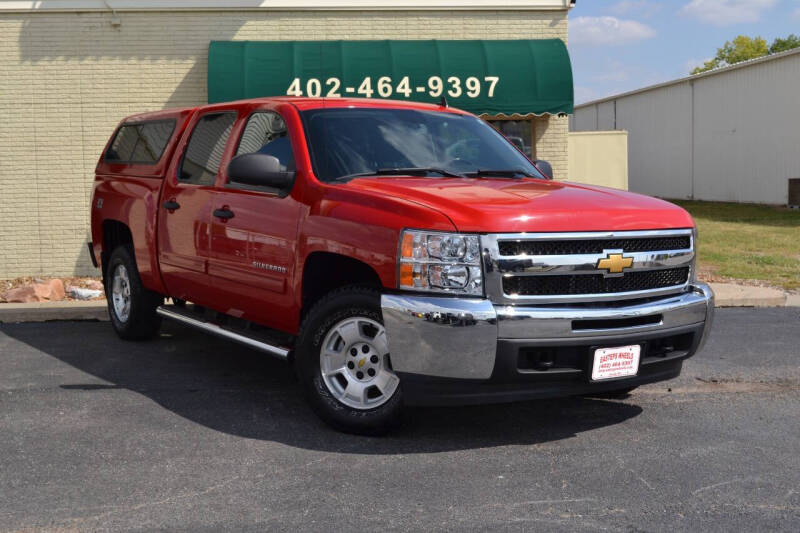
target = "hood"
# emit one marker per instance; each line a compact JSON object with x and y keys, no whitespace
{"x":515,"y":205}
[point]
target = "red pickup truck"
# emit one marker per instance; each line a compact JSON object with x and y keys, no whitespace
{"x":394,"y":253}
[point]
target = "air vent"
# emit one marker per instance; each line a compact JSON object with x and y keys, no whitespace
{"x":794,"y":193}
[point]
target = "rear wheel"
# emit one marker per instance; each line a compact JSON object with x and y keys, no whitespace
{"x":344,"y":365}
{"x":131,"y":307}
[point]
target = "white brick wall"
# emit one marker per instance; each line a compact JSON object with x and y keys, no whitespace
{"x":66,"y":79}
{"x":551,"y":145}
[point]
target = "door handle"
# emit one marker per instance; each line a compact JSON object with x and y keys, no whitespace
{"x":223,"y":213}
{"x":171,"y":205}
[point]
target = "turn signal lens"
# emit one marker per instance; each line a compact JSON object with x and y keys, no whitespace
{"x":406,"y":275}
{"x":440,"y":262}
{"x":407,"y":246}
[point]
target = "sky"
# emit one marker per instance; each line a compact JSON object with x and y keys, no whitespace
{"x":622,"y":45}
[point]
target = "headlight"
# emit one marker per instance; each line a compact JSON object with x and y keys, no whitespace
{"x":440,"y":262}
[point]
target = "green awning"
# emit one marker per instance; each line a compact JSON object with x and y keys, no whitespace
{"x":483,"y":77}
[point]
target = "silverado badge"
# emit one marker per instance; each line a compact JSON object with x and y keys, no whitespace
{"x":614,"y":263}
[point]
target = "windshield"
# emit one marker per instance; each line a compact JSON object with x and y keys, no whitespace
{"x":347,"y":142}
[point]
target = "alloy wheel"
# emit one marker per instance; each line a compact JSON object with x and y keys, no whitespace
{"x":121,"y":293}
{"x":355,"y":365}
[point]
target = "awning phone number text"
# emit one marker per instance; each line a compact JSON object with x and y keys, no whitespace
{"x":385,"y":87}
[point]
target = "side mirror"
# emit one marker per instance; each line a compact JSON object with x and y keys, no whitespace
{"x":545,"y":167}
{"x":260,"y":170}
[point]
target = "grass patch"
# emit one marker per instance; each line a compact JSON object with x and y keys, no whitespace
{"x":752,"y":242}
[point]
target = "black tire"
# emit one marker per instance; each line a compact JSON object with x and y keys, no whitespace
{"x":336,"y":306}
{"x":142,"y":321}
{"x":614,"y":394}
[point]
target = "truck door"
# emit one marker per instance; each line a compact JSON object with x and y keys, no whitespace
{"x":254,"y":233}
{"x":185,"y":211}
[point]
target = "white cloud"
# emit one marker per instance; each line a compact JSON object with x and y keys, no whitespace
{"x":611,"y":76}
{"x":607,"y":30}
{"x":727,"y":12}
{"x":643,"y":8}
{"x":584,"y":94}
{"x":693,"y":63}
{"x":612,"y":71}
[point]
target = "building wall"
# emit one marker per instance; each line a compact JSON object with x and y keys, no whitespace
{"x":599,"y":158}
{"x":68,"y":78}
{"x":551,"y":143}
{"x":660,"y":161}
{"x":730,"y":135}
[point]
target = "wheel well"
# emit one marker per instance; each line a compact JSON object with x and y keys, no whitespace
{"x":325,"y":271}
{"x":115,"y":233}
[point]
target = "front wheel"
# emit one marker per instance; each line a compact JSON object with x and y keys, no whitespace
{"x":344,"y":364}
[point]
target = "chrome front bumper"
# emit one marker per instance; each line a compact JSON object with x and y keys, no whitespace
{"x":458,"y":337}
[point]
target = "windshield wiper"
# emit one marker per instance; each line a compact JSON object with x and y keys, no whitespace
{"x":410,"y":171}
{"x":500,"y":173}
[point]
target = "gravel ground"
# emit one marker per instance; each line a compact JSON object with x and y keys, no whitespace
{"x":192,"y":433}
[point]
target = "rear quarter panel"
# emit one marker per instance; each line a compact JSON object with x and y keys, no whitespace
{"x":134,"y":202}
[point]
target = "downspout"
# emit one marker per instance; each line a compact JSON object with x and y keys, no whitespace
{"x":691,"y":139}
{"x":116,"y":22}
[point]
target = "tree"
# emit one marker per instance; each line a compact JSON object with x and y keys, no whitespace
{"x":743,"y":48}
{"x":781,"y":45}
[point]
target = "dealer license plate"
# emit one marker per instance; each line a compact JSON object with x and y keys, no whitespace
{"x":613,"y":363}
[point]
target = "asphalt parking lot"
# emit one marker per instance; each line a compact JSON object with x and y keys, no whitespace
{"x":192,"y":433}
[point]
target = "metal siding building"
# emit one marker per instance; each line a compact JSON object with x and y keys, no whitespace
{"x":732,"y":134}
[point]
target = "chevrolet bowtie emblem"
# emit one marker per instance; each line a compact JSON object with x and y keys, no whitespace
{"x":615,"y":263}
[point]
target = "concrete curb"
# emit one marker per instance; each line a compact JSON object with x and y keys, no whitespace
{"x":732,"y":295}
{"x":44,"y":311}
{"x":793,"y":300}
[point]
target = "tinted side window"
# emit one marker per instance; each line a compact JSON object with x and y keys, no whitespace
{"x":266,"y":133}
{"x":200,"y":164}
{"x":141,"y":143}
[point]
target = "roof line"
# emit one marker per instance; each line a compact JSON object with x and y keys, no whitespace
{"x":713,"y":72}
{"x":278,"y":5}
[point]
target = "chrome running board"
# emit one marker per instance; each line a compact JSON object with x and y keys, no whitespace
{"x":220,"y":331}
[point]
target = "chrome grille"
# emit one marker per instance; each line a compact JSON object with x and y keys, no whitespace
{"x":595,"y":283}
{"x":543,"y":268}
{"x":590,"y":246}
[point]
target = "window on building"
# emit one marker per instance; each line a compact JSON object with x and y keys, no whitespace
{"x":141,"y":143}
{"x":204,"y":152}
{"x":519,"y":132}
{"x":266,"y":133}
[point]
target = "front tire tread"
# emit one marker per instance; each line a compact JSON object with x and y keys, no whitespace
{"x":330,"y":309}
